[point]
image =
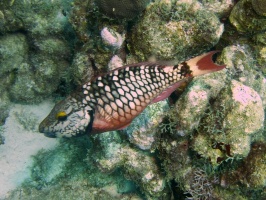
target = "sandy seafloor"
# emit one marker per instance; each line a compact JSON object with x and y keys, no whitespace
{"x":20,"y":145}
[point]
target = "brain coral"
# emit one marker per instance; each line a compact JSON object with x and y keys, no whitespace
{"x":122,"y":8}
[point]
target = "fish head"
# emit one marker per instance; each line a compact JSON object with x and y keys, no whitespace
{"x":68,"y":118}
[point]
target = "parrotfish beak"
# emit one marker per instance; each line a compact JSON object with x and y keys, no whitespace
{"x":204,"y":64}
{"x":46,"y":133}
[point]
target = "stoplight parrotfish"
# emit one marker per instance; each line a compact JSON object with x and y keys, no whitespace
{"x":111,"y":101}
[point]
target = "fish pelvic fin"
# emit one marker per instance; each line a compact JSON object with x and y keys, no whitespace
{"x":204,"y":64}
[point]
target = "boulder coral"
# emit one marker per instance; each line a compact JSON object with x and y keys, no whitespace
{"x":227,"y":129}
{"x":34,"y":53}
{"x":138,"y":166}
{"x":245,"y":18}
{"x":127,"y":9}
{"x":188,"y":26}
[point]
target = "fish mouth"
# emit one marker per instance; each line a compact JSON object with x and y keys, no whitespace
{"x":50,"y":135}
{"x":47,"y":134}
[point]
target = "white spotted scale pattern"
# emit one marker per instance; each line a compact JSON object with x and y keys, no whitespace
{"x":122,"y":94}
{"x":111,"y":101}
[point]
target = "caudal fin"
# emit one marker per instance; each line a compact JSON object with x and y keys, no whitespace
{"x":203,"y":64}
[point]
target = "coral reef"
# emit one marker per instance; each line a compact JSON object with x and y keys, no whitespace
{"x":242,"y":66}
{"x":254,"y":166}
{"x":251,"y":174}
{"x":34,"y":56}
{"x":97,"y":42}
{"x":13,"y":51}
{"x":77,"y":179}
{"x":246,"y":19}
{"x":207,"y":142}
{"x":193,"y":103}
{"x":201,"y":185}
{"x":115,"y":62}
{"x":221,"y":8}
{"x":112,"y":38}
{"x":141,"y":132}
{"x":127,"y":9}
{"x":138,"y":166}
{"x":188,"y":26}
{"x":226,"y":130}
{"x":259,"y":6}
{"x":72,"y":190}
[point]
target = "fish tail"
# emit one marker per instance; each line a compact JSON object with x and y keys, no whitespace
{"x":204,"y":64}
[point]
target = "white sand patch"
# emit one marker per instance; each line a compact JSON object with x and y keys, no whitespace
{"x":20,"y":145}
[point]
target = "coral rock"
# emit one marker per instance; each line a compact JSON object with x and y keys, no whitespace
{"x":228,"y":128}
{"x":122,"y":9}
{"x":112,"y":38}
{"x":245,"y":19}
{"x":259,"y":6}
{"x":174,"y":30}
{"x":139,"y":166}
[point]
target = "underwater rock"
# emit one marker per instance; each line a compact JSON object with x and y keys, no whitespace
{"x":141,"y":131}
{"x":221,"y":8}
{"x":74,"y":189}
{"x":127,"y":9}
{"x":254,"y":167}
{"x":138,"y":166}
{"x":241,"y":64}
{"x":115,"y":62}
{"x":112,"y":38}
{"x":259,"y":38}
{"x":259,"y":6}
{"x":100,"y":38}
{"x":251,"y":173}
{"x":8,"y":21}
{"x":53,"y":47}
{"x":34,"y":63}
{"x":261,"y":58}
{"x":245,"y":19}
{"x":81,"y":68}
{"x":13,"y":52}
{"x":178,"y":165}
{"x":174,"y":153}
{"x":192,"y":104}
{"x":259,"y":44}
{"x":42,"y":18}
{"x":227,"y":129}
{"x":174,"y":30}
{"x":31,"y":86}
{"x":78,"y":19}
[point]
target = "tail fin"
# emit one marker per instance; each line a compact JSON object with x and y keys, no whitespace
{"x":203,"y":64}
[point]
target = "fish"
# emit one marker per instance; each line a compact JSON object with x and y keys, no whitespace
{"x":111,"y":101}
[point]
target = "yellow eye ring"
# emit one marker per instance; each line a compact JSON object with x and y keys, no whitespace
{"x":61,"y":116}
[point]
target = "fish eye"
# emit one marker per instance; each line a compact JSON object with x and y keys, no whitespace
{"x":61,"y":116}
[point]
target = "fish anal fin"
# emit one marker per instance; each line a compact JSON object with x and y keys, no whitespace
{"x":125,"y":126}
{"x":167,"y":92}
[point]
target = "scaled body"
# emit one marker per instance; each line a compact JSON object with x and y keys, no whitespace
{"x":112,"y":101}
